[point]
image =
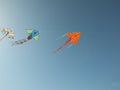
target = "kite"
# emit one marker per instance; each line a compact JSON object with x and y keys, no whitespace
{"x":73,"y":38}
{"x":32,"y":34}
{"x":6,"y":32}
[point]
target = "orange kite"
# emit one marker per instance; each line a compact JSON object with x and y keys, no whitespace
{"x":73,"y":38}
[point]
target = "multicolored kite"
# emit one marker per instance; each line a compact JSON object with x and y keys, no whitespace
{"x":32,"y":34}
{"x":72,"y":37}
{"x":6,"y":32}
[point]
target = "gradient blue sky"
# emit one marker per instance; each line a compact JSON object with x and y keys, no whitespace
{"x":93,"y":64}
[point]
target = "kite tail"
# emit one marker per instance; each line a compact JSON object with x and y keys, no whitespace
{"x":20,"y":41}
{"x":68,"y":41}
{"x":4,"y":36}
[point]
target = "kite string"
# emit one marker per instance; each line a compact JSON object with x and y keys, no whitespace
{"x":4,"y":36}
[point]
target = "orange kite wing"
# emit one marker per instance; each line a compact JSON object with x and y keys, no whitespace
{"x":69,"y":34}
{"x":75,"y":41}
{"x":74,"y":36}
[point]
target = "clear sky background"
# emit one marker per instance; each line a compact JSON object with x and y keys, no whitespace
{"x":93,"y":64}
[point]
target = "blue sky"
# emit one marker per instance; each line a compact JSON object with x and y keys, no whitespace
{"x":93,"y":64}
